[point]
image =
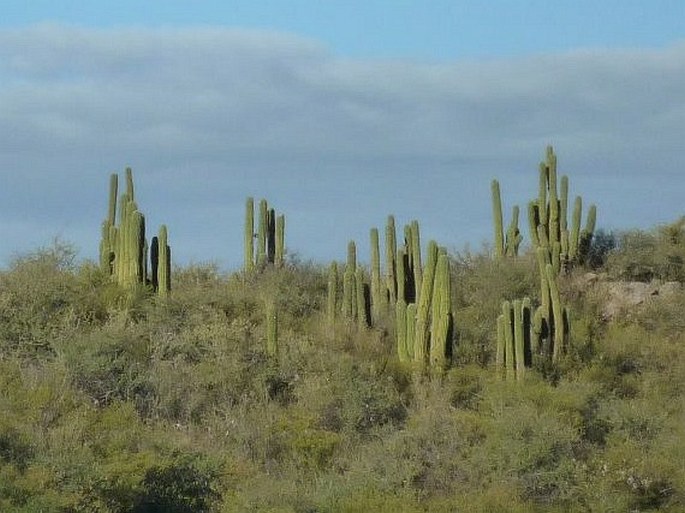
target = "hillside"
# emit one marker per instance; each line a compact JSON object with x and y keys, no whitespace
{"x":120,"y":403}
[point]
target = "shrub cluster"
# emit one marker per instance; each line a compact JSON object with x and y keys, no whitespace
{"x":113,"y":403}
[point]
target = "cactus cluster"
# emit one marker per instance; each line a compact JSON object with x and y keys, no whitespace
{"x":548,"y":219}
{"x":270,"y":235}
{"x":124,"y":248}
{"x":516,"y":340}
{"x":418,"y":297}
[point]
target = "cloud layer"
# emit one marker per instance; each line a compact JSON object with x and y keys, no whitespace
{"x":208,"y":116}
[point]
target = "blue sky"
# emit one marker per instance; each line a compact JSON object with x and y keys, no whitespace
{"x":339,"y":113}
{"x":420,"y":29}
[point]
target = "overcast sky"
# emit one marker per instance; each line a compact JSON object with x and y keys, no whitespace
{"x":337,"y":114}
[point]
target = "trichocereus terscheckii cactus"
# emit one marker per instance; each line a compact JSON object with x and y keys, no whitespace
{"x":416,"y":298}
{"x":548,"y":218}
{"x":506,"y":244}
{"x":525,"y":333}
{"x":123,"y":246}
{"x":270,"y":237}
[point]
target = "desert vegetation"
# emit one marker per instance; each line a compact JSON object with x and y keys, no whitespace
{"x":431,"y":381}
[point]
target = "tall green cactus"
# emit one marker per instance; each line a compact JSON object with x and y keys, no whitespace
{"x":271,"y":328}
{"x":416,"y":257}
{"x":362,"y":314}
{"x":332,"y":298}
{"x":423,"y":318}
{"x":280,"y":241}
{"x":514,"y":339}
{"x":548,"y":219}
{"x":441,"y":315}
{"x":108,"y":238}
{"x":270,"y":246}
{"x":504,"y":245}
{"x":271,"y":236}
{"x":391,"y":260}
{"x":164,"y":267}
{"x":497,"y":218}
{"x":514,"y":237}
{"x":124,"y":249}
{"x":378,"y":292}
{"x":401,"y":331}
{"x":262,"y":233}
{"x":248,"y":236}
{"x":349,"y":303}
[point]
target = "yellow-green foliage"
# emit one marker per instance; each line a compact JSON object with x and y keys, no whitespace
{"x":177,"y":404}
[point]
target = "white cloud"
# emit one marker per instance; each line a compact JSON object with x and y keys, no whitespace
{"x":204,"y":109}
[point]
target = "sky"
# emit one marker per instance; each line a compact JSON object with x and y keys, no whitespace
{"x":339,"y":113}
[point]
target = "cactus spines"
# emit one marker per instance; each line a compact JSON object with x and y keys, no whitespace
{"x":248,"y":238}
{"x":497,"y":218}
{"x":279,"y":258}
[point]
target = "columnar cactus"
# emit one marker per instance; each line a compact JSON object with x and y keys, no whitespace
{"x":164,"y":264}
{"x":332,"y":299}
{"x":441,"y":322}
{"x":401,"y":331}
{"x":349,"y":303}
{"x":423,"y":318}
{"x":497,"y":218}
{"x":416,"y":257}
{"x":378,"y":292}
{"x":362,"y":298}
{"x":548,"y":219}
{"x":280,"y":241}
{"x":508,"y":246}
{"x":271,"y":328}
{"x":270,"y":237}
{"x":390,"y":260}
{"x":248,"y":240}
{"x":514,"y":339}
{"x":124,"y":249}
{"x":262,"y":233}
